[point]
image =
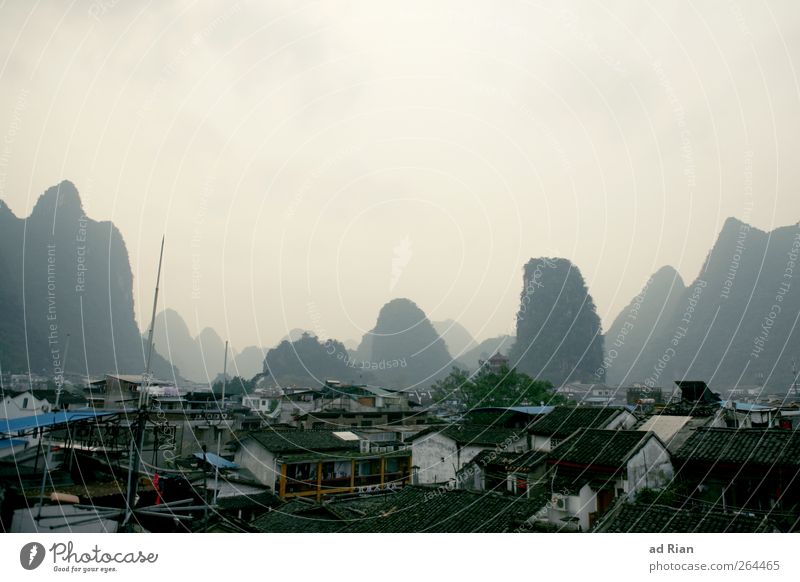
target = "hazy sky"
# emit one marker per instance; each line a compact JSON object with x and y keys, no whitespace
{"x":309,"y":161}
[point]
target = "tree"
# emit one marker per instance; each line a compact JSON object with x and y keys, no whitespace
{"x":233,"y":387}
{"x":505,"y":387}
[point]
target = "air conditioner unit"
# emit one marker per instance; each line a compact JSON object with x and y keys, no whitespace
{"x":560,"y":502}
{"x":363,"y":446}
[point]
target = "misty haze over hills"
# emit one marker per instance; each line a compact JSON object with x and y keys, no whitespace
{"x":735,"y":323}
{"x":64,"y":274}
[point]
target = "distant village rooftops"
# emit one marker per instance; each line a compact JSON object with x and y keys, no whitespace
{"x":645,"y":518}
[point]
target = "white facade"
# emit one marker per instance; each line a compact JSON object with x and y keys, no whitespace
{"x":259,"y":461}
{"x":22,"y":405}
{"x":437,"y":458}
{"x":572,"y":511}
{"x":649,"y":468}
{"x":259,"y":403}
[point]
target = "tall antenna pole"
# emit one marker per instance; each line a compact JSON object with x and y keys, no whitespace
{"x":137,"y":443}
{"x":152,"y":325}
{"x":224,"y":374}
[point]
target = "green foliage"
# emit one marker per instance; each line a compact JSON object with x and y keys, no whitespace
{"x":234,"y":387}
{"x":507,"y":387}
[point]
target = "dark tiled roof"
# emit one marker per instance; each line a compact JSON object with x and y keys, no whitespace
{"x":427,"y":509}
{"x":306,"y":516}
{"x":769,"y":447}
{"x":301,"y":441}
{"x":564,"y":420}
{"x":510,"y":461}
{"x":607,"y":448}
{"x":298,"y":517}
{"x":259,"y":500}
{"x":696,"y":409}
{"x":475,"y":434}
{"x":642,"y":518}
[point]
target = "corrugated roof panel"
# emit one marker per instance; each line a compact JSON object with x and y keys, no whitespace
{"x":15,"y":425}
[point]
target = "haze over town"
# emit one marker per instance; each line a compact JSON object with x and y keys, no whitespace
{"x":311,"y":161}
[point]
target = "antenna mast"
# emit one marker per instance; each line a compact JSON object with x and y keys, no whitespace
{"x":138,"y":441}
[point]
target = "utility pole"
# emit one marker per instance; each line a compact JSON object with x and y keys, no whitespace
{"x":205,"y":488}
{"x":224,"y":374}
{"x":137,"y":442}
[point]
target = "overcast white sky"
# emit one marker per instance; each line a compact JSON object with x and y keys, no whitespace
{"x":309,"y":161}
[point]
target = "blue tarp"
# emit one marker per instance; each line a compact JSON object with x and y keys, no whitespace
{"x":16,"y":425}
{"x":216,"y":461}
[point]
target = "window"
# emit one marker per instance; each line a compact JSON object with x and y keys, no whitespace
{"x":25,"y":403}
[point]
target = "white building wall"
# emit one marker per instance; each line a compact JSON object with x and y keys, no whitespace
{"x":625,"y":420}
{"x":649,"y":468}
{"x":435,"y":458}
{"x":579,"y":505}
{"x":16,"y":407}
{"x":260,"y":462}
{"x":540,"y":443}
{"x":438,"y":458}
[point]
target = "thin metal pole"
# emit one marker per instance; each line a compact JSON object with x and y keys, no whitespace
{"x":216,"y":469}
{"x":137,"y":443}
{"x":146,"y":377}
{"x":224,"y":374}
{"x":205,"y":490}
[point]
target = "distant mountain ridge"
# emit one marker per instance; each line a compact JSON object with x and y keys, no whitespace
{"x":456,"y":337}
{"x":66,"y":275}
{"x":735,"y":324}
{"x":199,"y":359}
{"x":403,"y":350}
{"x":559,"y":335}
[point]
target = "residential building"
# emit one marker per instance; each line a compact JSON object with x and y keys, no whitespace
{"x":299,"y":463}
{"x":758,"y":469}
{"x":439,"y":453}
{"x":593,"y":467}
{"x":509,"y":472}
{"x":547,"y":432}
